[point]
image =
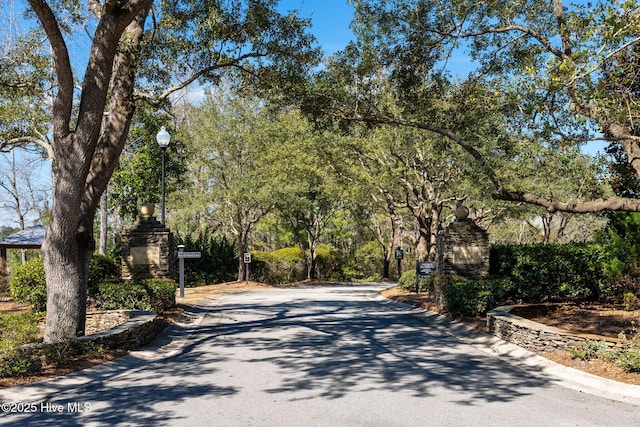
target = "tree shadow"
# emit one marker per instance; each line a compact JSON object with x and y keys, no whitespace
{"x":331,"y":348}
{"x":323,"y":348}
{"x":147,"y":396}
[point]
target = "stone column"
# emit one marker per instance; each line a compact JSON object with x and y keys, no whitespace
{"x":148,"y":249}
{"x":464,"y":247}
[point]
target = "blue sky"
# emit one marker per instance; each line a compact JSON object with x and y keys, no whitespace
{"x":330,"y":20}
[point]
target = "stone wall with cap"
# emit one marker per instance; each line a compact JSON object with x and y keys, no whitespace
{"x":148,"y":249}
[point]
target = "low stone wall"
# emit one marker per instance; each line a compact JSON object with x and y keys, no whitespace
{"x":534,"y":336}
{"x":98,"y":321}
{"x":138,"y":329}
{"x":133,"y":329}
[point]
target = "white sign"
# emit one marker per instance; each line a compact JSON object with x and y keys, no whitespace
{"x":189,"y":254}
{"x":247,"y":258}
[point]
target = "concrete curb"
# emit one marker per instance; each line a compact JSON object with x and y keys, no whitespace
{"x":526,"y":360}
{"x":168,"y":343}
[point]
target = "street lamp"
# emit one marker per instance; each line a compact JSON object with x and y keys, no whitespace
{"x":163,"y":139}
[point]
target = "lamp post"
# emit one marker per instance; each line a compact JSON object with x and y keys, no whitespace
{"x":163,"y":139}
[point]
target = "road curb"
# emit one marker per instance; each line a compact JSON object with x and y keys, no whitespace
{"x":526,"y":360}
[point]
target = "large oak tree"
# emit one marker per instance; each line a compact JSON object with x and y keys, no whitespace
{"x":542,"y":64}
{"x":131,"y":58}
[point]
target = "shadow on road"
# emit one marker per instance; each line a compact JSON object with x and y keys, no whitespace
{"x":332,"y":347}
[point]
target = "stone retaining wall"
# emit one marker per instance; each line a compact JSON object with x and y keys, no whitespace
{"x":139,"y":330}
{"x":133,"y":329}
{"x":534,"y":336}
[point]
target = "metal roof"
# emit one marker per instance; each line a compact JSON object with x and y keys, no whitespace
{"x":31,"y":237}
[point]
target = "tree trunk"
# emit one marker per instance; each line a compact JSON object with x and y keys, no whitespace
{"x":386,"y":267}
{"x":82,"y":167}
{"x":66,"y":252}
{"x":103,"y":224}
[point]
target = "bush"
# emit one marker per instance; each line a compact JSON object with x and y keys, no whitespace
{"x":288,"y":265}
{"x":19,"y":366}
{"x":4,"y":283}
{"x":366,"y":263}
{"x":474,"y":297}
{"x":589,"y":349}
{"x":329,"y":264}
{"x":218,"y":262}
{"x":151,"y":295}
{"x":408,"y":282}
{"x":621,"y":244}
{"x":162,"y":293}
{"x":260,"y":269}
{"x":626,"y":357}
{"x":543,"y":272}
{"x":102,"y":268}
{"x":28,"y":283}
{"x":17,"y":329}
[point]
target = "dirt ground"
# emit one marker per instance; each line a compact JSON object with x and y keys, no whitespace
{"x":608,"y":321}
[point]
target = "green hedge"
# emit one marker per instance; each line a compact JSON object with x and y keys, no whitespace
{"x":151,"y":295}
{"x":329,"y":264}
{"x":218,"y":262}
{"x":366,"y":264}
{"x":472,"y":297}
{"x":543,"y":272}
{"x":102,"y":268}
{"x":408,"y":282}
{"x":28,"y":282}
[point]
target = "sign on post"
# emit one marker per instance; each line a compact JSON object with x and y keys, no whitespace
{"x":425,"y":268}
{"x":247,"y":261}
{"x":423,"y":271}
{"x":181,"y":257}
{"x":189,"y":254}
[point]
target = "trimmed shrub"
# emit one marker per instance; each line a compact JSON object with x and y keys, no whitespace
{"x":261,"y":267}
{"x":408,"y":282}
{"x":469,"y":297}
{"x":28,"y":283}
{"x":162,"y":293}
{"x":289,"y":265}
{"x":543,"y":272}
{"x":151,"y":295}
{"x":117,"y":295}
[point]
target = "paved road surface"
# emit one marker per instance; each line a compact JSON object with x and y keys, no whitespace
{"x":329,"y":356}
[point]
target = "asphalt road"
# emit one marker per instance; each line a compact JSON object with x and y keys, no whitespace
{"x":329,"y":356}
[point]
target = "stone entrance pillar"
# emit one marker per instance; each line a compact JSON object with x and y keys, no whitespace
{"x":464,"y":247}
{"x":148,"y":249}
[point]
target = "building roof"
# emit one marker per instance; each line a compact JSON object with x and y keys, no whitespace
{"x":31,"y":237}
